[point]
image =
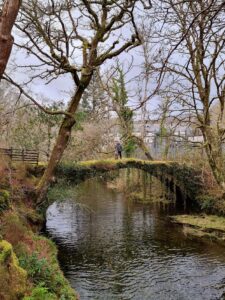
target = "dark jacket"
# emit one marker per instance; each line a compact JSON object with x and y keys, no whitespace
{"x":118,"y":147}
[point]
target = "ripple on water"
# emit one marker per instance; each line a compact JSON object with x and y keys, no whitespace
{"x":118,"y":250}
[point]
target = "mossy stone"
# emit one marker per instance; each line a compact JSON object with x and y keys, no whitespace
{"x":5,"y":251}
{"x":13,"y":283}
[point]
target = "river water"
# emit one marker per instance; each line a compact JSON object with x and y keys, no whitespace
{"x":114,"y":248}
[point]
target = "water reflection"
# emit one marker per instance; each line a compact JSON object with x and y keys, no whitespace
{"x":113,"y":248}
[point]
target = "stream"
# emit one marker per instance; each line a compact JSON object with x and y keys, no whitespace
{"x":113,"y":248}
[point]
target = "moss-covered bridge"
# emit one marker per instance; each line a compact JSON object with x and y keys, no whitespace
{"x":180,"y":177}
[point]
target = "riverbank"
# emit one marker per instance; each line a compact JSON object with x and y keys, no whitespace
{"x":29,"y":268}
{"x":204,"y":226}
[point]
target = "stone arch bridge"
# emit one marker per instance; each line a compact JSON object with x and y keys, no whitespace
{"x":181,"y":178}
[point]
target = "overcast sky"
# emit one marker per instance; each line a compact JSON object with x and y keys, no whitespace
{"x":63,"y":87}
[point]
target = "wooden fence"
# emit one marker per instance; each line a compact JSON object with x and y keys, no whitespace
{"x":24,"y":155}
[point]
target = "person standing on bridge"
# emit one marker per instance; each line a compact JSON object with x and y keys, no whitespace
{"x":118,"y":150}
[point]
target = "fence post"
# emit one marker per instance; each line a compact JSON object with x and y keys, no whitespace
{"x":24,"y":155}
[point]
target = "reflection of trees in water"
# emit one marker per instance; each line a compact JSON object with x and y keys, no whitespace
{"x":119,"y":241}
{"x":142,"y":187}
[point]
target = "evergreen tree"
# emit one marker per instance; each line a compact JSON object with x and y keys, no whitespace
{"x":124,"y":113}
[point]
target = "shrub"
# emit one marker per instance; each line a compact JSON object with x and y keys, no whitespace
{"x":40,"y":293}
{"x":61,"y":191}
{"x":207,"y":203}
{"x":43,"y":271}
{"x":4,"y":200}
{"x":37,"y":269}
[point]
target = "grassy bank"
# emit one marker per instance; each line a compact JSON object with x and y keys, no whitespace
{"x":29,"y":268}
{"x":209,"y":226}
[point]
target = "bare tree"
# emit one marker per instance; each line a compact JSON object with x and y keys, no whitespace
{"x":195,"y":30}
{"x":75,"y":37}
{"x":8,"y":16}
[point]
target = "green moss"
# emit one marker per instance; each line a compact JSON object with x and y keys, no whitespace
{"x":115,"y":162}
{"x":205,"y":224}
{"x":5,"y":194}
{"x":29,"y":267}
{"x":5,"y":251}
{"x":13,"y":283}
{"x":4,"y":200}
{"x":37,"y":258}
{"x":194,"y":232}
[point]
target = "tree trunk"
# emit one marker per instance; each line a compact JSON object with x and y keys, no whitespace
{"x":167,"y":148}
{"x":56,"y":155}
{"x":61,"y":142}
{"x":143,"y":147}
{"x":7,"y":19}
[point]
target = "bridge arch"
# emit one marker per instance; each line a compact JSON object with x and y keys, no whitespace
{"x":186,"y":180}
